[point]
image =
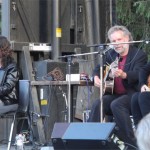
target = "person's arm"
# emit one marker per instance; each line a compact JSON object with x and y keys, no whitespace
{"x":135,"y":64}
{"x":96,"y":76}
{"x":10,"y":80}
{"x":97,"y":81}
{"x":143,"y":74}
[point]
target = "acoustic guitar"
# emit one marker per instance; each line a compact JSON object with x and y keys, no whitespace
{"x":108,"y":77}
{"x":108,"y":81}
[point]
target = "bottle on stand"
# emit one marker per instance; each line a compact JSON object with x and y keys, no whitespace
{"x":19,"y":142}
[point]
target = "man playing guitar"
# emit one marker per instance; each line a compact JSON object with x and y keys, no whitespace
{"x":118,"y":104}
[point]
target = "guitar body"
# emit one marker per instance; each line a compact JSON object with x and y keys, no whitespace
{"x":108,"y":77}
{"x":109,"y":86}
{"x":108,"y":80}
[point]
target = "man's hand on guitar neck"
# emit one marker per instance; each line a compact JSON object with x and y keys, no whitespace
{"x":119,"y":73}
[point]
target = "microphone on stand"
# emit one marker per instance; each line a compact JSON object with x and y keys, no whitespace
{"x":146,"y":41}
{"x":110,"y":47}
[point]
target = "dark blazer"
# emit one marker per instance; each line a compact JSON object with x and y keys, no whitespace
{"x":136,"y":58}
{"x":144,"y":73}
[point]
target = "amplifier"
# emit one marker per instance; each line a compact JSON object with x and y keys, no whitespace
{"x":51,"y":99}
{"x":83,"y":136}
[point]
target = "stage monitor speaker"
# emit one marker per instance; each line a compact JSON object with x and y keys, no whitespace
{"x":83,"y":136}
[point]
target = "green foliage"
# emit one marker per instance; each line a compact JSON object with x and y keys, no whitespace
{"x":135,"y":14}
{"x":143,"y":8}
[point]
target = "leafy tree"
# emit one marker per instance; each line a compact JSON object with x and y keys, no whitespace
{"x":135,"y":14}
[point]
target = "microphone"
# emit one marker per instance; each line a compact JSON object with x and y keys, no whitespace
{"x":110,"y":47}
{"x":146,"y":41}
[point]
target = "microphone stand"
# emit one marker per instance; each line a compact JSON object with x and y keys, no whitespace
{"x":130,"y":42}
{"x":69,"y":104}
{"x":101,"y":52}
{"x":69,"y":91}
{"x":101,"y":83}
{"x":69,"y":110}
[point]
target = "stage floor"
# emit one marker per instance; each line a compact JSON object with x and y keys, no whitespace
{"x":4,"y":147}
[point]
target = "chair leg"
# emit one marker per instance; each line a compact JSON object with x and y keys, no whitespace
{"x":30,"y":129}
{"x":11,"y":132}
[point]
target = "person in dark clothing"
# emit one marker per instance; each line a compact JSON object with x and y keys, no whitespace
{"x":9,"y":77}
{"x":140,"y":103}
{"x":128,"y":60}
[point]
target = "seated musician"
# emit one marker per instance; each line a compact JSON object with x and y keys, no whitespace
{"x":9,"y":76}
{"x":140,"y":103}
{"x":130,"y":60}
